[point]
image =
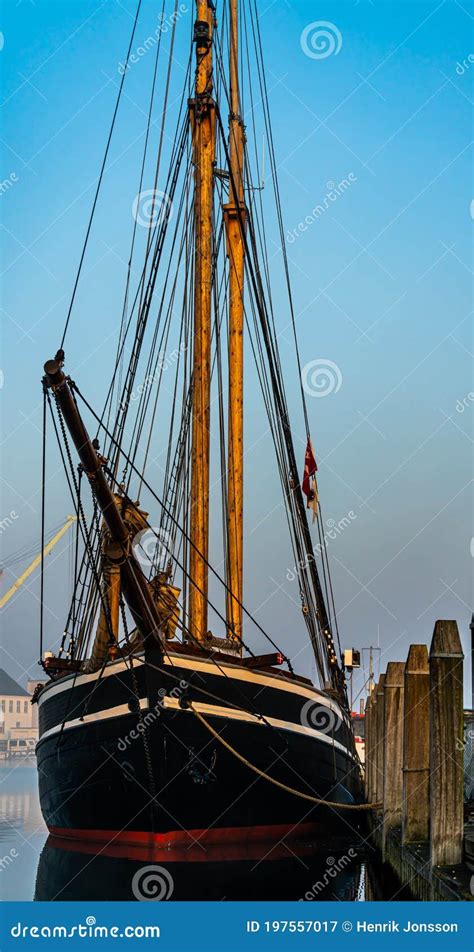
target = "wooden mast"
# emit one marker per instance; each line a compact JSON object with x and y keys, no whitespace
{"x":202,"y":118}
{"x":235,"y":215}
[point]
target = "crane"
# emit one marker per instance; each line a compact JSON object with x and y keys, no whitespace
{"x":37,"y":560}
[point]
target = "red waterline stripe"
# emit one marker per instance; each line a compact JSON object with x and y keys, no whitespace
{"x":189,"y":838}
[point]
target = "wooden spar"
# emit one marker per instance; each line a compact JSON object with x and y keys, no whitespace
{"x":135,"y":586}
{"x":234,"y":216}
{"x":202,"y":118}
{"x":113,"y":595}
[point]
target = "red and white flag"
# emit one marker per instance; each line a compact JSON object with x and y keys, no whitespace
{"x":309,"y":484}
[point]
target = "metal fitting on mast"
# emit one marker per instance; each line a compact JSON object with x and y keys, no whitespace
{"x":202,"y":34}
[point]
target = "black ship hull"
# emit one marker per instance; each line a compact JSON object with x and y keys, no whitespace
{"x":109,"y":772}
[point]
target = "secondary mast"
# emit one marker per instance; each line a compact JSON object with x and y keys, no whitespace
{"x":202,"y":118}
{"x":235,"y":217}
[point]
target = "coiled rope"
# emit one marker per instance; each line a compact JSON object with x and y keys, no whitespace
{"x":277,"y":783}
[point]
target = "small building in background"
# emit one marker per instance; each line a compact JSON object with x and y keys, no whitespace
{"x":18,"y":717}
{"x":358,"y":724}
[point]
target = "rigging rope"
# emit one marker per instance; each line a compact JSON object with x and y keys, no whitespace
{"x":301,"y":529}
{"x":317,"y":801}
{"x":75,"y":388}
{"x":279,"y":424}
{"x":101,"y":175}
{"x":268,"y":126}
{"x":43,"y":509}
{"x":265,"y":343}
{"x":295,"y":493}
{"x":175,"y":160}
{"x":183,"y":567}
{"x":70,"y":476}
{"x":135,"y":225}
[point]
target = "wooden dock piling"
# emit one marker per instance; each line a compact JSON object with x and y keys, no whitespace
{"x":416,"y":747}
{"x":414,"y":765}
{"x":379,"y":739}
{"x":369,"y":749}
{"x":446,"y":751}
{"x":392,"y":748}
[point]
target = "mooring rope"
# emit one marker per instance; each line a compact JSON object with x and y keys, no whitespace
{"x":277,"y":783}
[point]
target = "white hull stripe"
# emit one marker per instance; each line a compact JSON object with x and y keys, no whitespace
{"x":231,"y":671}
{"x":213,"y":710}
{"x":107,"y":715}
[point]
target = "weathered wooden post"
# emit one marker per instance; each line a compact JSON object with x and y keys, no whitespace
{"x":393,"y":748}
{"x":446,"y":749}
{"x":368,"y":751}
{"x":416,"y":747}
{"x":379,"y":740}
{"x":373,"y":744}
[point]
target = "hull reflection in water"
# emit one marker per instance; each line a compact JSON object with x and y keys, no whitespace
{"x":83,"y":871}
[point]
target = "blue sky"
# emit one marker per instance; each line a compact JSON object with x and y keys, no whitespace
{"x":381,"y":282}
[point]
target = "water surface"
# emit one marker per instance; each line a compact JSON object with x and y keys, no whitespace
{"x":34,"y":865}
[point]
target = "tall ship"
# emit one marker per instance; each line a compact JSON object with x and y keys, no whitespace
{"x":163,"y":720}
